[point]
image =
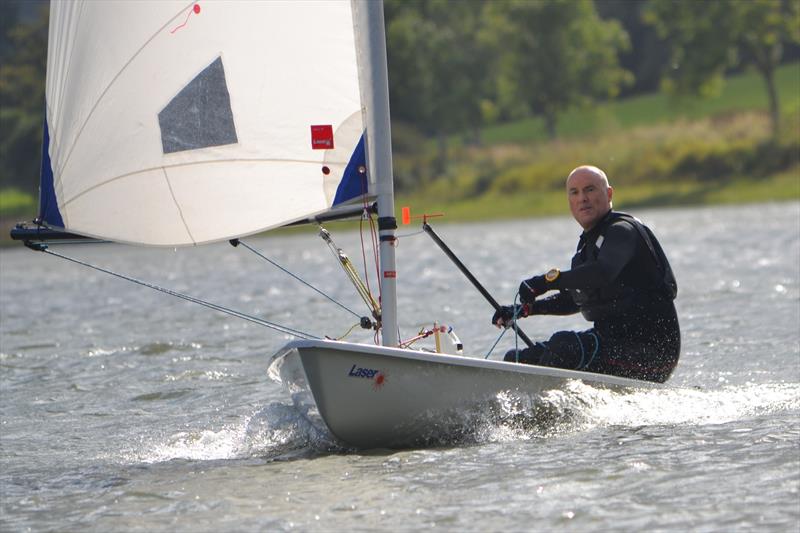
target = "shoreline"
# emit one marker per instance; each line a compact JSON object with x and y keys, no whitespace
{"x":559,"y":210}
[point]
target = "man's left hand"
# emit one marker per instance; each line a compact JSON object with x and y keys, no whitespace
{"x":531,"y":288}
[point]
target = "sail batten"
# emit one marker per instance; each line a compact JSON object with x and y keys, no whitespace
{"x":231,"y":118}
{"x":69,"y":200}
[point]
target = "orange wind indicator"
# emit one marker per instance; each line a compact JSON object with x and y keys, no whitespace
{"x":406,"y":216}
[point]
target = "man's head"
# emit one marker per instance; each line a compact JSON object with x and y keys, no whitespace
{"x":589,"y":195}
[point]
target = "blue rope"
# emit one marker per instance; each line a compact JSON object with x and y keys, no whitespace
{"x":596,"y":349}
{"x":517,"y":309}
{"x":516,"y":331}
{"x":304,"y":282}
{"x":583,"y":351}
{"x":495,"y":342}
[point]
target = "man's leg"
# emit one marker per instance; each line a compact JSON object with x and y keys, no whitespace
{"x":565,"y":349}
{"x":529,"y":356}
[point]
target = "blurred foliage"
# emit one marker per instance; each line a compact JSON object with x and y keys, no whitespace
{"x":637,"y":142}
{"x":710,"y":150}
{"x":720,"y":158}
{"x":470,"y":79}
{"x":729,"y":33}
{"x":14,"y":203}
{"x":23,"y":54}
{"x":552,"y":56}
{"x":435,"y":59}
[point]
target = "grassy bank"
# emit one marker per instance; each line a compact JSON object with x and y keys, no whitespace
{"x":741,"y":93}
{"x":657,"y":150}
{"x":731,"y":158}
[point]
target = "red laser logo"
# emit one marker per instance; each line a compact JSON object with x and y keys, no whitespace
{"x":379,"y":381}
{"x":195,"y":9}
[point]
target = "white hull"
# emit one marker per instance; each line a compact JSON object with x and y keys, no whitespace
{"x":378,"y":397}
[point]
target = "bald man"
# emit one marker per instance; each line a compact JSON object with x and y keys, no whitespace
{"x":620,"y":280}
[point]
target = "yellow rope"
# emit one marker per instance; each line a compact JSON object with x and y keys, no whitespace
{"x":351,"y":273}
{"x":349,"y":331}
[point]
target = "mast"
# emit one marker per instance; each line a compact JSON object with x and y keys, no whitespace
{"x":371,"y":40}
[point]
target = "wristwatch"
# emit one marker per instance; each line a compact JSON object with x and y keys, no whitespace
{"x":552,"y":275}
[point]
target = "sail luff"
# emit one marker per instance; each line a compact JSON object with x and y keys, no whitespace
{"x":371,"y":38}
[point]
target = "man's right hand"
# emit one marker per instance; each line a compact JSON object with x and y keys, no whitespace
{"x":530,"y":289}
{"x":504,"y":316}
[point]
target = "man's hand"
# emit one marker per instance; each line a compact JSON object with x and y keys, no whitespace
{"x":531,"y":288}
{"x":504,"y":317}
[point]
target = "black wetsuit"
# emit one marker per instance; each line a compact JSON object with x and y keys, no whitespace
{"x":620,"y":280}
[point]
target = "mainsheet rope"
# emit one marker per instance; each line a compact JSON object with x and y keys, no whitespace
{"x":232,"y":312}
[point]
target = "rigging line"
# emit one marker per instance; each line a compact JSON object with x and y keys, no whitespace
{"x":376,"y":255}
{"x":349,"y":331}
{"x":364,"y":215}
{"x":414,"y":234}
{"x":374,"y":246}
{"x":351,"y":272}
{"x":364,"y":254}
{"x":375,"y":258}
{"x":516,"y":330}
{"x":495,"y":343}
{"x":375,"y":251}
{"x":304,"y":282}
{"x":232,"y":312}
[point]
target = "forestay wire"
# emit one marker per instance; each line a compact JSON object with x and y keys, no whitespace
{"x":232,"y":312}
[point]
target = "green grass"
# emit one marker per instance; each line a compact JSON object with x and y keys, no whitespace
{"x":744,"y":92}
{"x":14,"y":202}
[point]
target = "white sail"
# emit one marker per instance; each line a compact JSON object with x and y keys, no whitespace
{"x":175,"y":123}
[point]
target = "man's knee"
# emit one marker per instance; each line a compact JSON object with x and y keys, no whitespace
{"x":563,"y":341}
{"x":564,"y":350}
{"x":529,"y":356}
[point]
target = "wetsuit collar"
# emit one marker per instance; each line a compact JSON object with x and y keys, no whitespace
{"x":597,"y":227}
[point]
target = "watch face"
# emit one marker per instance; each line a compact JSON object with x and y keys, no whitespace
{"x":552,"y":275}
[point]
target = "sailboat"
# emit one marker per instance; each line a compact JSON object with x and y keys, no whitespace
{"x":177,"y":123}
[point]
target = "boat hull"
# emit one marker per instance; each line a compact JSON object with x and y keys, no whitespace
{"x":377,"y":397}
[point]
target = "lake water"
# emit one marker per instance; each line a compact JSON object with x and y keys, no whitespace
{"x":122,"y":409}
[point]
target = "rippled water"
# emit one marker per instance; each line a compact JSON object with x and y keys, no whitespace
{"x":124,"y":409}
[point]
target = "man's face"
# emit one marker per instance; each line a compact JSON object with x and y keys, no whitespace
{"x":589,"y":198}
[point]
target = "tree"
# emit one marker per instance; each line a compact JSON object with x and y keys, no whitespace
{"x":22,"y":78}
{"x":435,"y":63}
{"x":707,"y":38}
{"x":436,"y":68}
{"x":647,"y":53}
{"x":554,"y":55}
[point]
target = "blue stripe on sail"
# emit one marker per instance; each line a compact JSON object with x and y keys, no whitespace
{"x":353,"y":183}
{"x":48,"y":206}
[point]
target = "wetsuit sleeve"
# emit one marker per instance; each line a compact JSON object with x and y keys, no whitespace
{"x":616,"y":250}
{"x":559,"y":304}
